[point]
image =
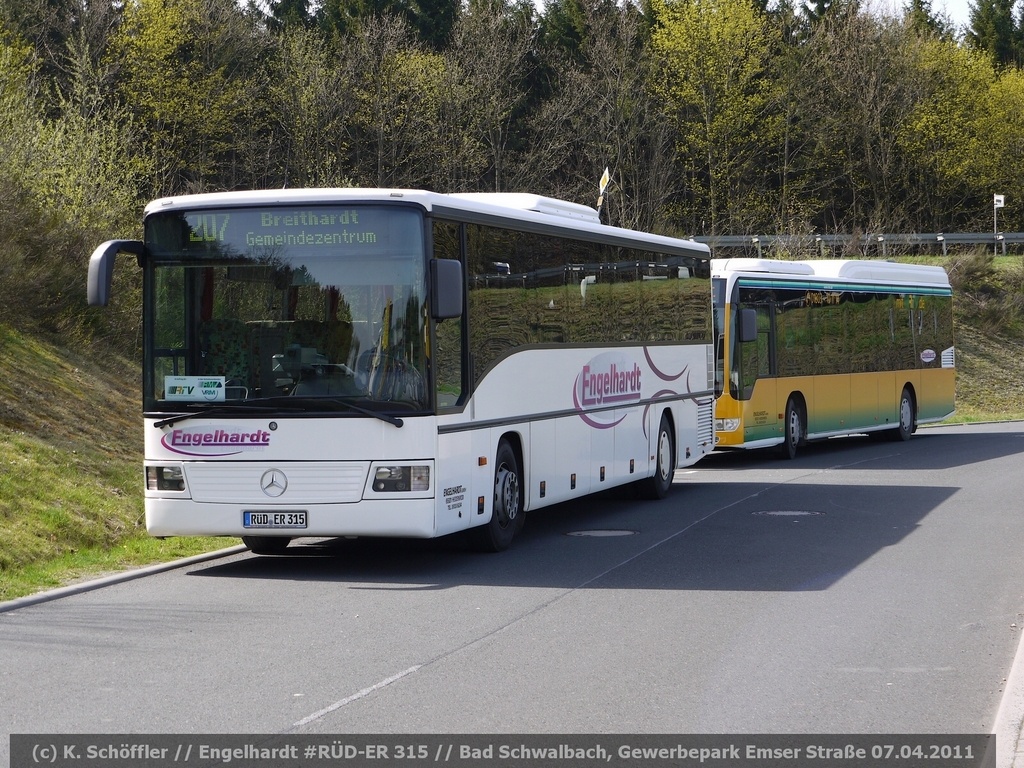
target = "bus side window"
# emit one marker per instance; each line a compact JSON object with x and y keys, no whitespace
{"x":754,"y":347}
{"x":448,"y":342}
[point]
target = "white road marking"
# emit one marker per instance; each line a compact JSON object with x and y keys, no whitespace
{"x":355,"y":696}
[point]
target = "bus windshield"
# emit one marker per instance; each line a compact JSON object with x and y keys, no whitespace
{"x":321,"y":304}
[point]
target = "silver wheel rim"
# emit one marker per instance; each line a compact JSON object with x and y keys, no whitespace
{"x":506,"y":495}
{"x":906,"y":414}
{"x":664,"y":455}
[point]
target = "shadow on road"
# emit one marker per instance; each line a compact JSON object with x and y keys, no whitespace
{"x":748,"y":536}
{"x":738,"y":521}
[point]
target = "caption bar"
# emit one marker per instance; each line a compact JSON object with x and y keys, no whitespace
{"x":535,"y":751}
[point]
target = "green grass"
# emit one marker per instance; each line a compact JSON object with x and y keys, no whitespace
{"x":71,"y":469}
{"x":71,"y":441}
{"x":990,"y":376}
{"x":92,"y":562}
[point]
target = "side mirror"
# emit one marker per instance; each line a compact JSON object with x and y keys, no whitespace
{"x":446,"y":288}
{"x":748,"y":325}
{"x":101,"y":268}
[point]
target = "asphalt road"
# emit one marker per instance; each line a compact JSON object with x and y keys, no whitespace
{"x":865,"y":587}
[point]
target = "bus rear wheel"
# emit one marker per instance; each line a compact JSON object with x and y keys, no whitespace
{"x":266,"y":545}
{"x":793,"y":434}
{"x":507,"y":515}
{"x":657,"y":487}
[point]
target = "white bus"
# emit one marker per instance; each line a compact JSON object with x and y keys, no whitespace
{"x":351,"y":362}
{"x":817,"y":349}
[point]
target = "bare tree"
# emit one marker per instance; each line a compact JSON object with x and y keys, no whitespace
{"x":489,"y":65}
{"x":603,"y":113}
{"x":715,"y":55}
{"x":397,"y":85}
{"x":312,"y":103}
{"x":858,"y":90}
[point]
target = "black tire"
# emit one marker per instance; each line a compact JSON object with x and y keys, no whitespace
{"x":266,"y":545}
{"x":907,"y":418}
{"x":507,"y":515}
{"x":793,"y":429}
{"x":658,"y":486}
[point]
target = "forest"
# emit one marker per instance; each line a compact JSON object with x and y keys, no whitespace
{"x":714,"y":117}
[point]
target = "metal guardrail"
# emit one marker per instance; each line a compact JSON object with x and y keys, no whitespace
{"x":877,"y":244}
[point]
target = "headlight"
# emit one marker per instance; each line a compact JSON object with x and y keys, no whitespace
{"x":727,"y":425}
{"x":169,"y":478}
{"x":401,"y":478}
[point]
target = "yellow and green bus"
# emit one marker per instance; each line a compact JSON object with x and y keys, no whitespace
{"x":808,"y":350}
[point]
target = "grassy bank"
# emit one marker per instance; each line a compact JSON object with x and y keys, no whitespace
{"x":990,"y":376}
{"x":71,"y":468}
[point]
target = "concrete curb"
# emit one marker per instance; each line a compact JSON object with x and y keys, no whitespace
{"x":117,"y":578}
{"x":1010,"y":716}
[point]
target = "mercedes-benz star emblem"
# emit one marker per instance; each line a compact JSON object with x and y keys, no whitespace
{"x":273,"y":482}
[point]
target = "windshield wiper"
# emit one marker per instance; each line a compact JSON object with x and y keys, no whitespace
{"x":393,"y":420}
{"x":221,"y":409}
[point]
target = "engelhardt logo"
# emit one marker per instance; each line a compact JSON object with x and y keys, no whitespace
{"x":610,"y":383}
{"x":274,"y":482}
{"x":610,"y":379}
{"x":207,"y":441}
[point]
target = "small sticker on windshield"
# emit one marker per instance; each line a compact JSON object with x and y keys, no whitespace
{"x":206,"y":389}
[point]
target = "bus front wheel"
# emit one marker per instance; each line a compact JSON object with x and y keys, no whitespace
{"x":507,"y":515}
{"x":793,"y":427}
{"x":266,"y":545}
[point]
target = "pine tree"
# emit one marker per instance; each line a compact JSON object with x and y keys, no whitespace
{"x":286,"y":13}
{"x":994,"y":30}
{"x":922,"y":18}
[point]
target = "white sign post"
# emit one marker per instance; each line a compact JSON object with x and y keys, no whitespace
{"x":998,"y":201}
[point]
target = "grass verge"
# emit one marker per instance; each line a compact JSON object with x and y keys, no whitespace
{"x":71,"y":469}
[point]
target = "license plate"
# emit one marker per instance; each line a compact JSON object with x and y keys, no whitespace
{"x":274,"y":519}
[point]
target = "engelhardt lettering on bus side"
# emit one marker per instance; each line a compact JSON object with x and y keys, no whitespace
{"x":609,"y":385}
{"x":207,"y":441}
{"x":615,"y":379}
{"x":608,"y":379}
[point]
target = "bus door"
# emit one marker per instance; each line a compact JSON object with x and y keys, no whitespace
{"x":757,"y":384}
